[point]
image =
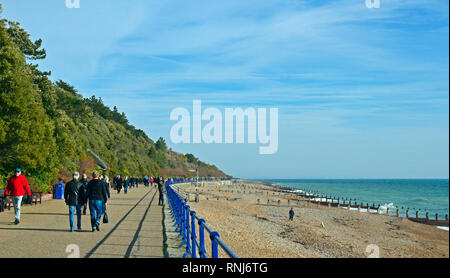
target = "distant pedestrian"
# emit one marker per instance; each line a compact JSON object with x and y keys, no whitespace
{"x":151,"y":181}
{"x":156,"y":181}
{"x":126,"y":184}
{"x":17,"y":187}
{"x":291,"y":214}
{"x":118,"y":183}
{"x":105,"y":201}
{"x":96,"y":193}
{"x":84,"y":183}
{"x":161,"y":191}
{"x":135,"y":183}
{"x":75,"y":199}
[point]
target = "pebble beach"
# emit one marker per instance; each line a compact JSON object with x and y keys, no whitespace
{"x":252,"y":219}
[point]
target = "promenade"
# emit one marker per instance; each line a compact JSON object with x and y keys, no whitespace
{"x":135,"y":230}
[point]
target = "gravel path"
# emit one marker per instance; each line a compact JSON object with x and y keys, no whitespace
{"x":135,"y":230}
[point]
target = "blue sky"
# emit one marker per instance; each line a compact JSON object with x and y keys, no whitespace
{"x":362,"y":93}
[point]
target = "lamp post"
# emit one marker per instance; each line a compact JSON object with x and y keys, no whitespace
{"x":197,"y":197}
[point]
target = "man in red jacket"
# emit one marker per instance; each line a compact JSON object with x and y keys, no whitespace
{"x":17,"y":187}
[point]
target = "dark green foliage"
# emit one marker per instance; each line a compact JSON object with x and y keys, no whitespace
{"x":161,"y":144}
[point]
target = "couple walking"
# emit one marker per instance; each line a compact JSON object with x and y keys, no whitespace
{"x":96,"y":195}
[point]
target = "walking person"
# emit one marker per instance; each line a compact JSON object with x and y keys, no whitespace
{"x":126,"y":184}
{"x":161,"y":191}
{"x":118,"y":183}
{"x":146,"y":181}
{"x":96,"y":193}
{"x":156,"y":181}
{"x":84,"y":183}
{"x":291,"y":214}
{"x":75,"y":199}
{"x":105,"y":201}
{"x":17,"y":187}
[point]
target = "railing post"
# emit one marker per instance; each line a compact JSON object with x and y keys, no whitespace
{"x":201,"y":231}
{"x":193,"y":235}
{"x":183,"y":219}
{"x":186,"y":230}
{"x":214,"y":244}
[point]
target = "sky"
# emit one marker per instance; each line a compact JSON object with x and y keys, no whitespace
{"x":361,"y":92}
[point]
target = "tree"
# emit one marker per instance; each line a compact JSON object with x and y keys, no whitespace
{"x":22,"y":39}
{"x":191,"y":158}
{"x":67,"y":87}
{"x":27,"y":134}
{"x":161,"y":144}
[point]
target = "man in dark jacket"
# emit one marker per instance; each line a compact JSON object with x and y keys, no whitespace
{"x":118,"y":183}
{"x":291,"y":214}
{"x":84,"y":183}
{"x":161,"y":191}
{"x":96,"y":193}
{"x":74,"y":196}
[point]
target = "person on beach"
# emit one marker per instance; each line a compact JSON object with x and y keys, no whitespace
{"x":17,"y":187}
{"x":83,"y":188}
{"x":75,"y":199}
{"x":291,"y":214}
{"x":96,"y":193}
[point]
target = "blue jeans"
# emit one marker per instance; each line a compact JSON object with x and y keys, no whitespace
{"x":17,"y":201}
{"x":96,"y":209}
{"x":71,"y":216}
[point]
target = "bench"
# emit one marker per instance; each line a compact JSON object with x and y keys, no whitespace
{"x":6,"y":202}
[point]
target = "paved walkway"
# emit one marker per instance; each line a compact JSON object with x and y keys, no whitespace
{"x":135,"y":230}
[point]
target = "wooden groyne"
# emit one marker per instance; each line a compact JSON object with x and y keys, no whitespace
{"x":313,"y":198}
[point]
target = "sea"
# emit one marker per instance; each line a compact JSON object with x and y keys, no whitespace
{"x":423,"y":195}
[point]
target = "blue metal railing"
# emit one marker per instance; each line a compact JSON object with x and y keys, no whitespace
{"x":185,"y":220}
